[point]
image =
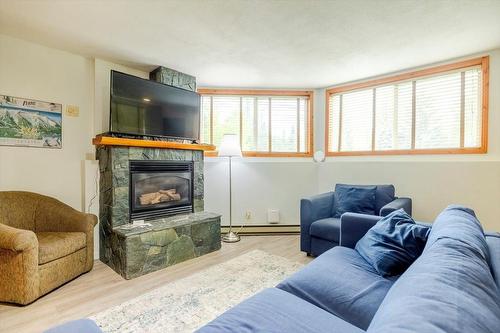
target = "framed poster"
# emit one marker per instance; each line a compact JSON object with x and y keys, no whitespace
{"x":30,"y":123}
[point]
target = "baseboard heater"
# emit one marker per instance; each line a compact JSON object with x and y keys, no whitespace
{"x":264,"y":229}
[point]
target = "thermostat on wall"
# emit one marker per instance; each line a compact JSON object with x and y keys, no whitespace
{"x":273,"y":216}
{"x":72,"y":110}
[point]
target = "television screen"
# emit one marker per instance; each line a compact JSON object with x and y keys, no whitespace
{"x":144,"y":107}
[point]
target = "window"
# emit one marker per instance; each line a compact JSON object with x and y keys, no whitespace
{"x":432,"y":111}
{"x":269,"y":123}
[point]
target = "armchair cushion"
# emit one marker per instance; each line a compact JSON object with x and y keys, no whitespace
{"x":55,"y":245}
{"x":354,"y":199}
{"x":393,"y":243}
{"x":383,"y":195}
{"x":328,"y":229}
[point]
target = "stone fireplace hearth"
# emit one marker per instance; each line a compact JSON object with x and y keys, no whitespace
{"x":163,"y":187}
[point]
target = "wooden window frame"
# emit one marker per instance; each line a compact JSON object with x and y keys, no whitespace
{"x":271,"y":93}
{"x":483,"y":149}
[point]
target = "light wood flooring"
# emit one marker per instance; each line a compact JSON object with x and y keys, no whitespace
{"x":102,"y":288}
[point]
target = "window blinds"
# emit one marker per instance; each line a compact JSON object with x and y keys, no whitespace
{"x":264,"y":123}
{"x":435,"y":112}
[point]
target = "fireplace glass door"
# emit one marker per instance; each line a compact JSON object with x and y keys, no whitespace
{"x":160,"y":188}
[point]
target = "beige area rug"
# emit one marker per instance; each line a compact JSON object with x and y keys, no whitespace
{"x":189,"y":303}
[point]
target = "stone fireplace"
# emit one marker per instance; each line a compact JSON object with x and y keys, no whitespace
{"x":161,"y":184}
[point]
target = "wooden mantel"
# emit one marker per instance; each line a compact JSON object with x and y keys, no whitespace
{"x":101,"y":140}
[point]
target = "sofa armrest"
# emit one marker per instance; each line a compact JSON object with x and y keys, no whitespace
{"x":353,"y":227}
{"x":312,"y":209}
{"x":396,"y":204}
{"x":18,"y":265}
{"x":18,"y":240}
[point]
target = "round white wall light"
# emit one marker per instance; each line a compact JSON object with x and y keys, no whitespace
{"x":319,"y":156}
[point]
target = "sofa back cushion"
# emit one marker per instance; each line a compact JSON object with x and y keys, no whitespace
{"x":449,"y":288}
{"x":383,"y":195}
{"x":393,"y":243}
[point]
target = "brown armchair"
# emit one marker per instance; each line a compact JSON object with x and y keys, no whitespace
{"x":43,"y":244}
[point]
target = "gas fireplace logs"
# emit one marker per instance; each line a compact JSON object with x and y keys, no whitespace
{"x":160,"y":196}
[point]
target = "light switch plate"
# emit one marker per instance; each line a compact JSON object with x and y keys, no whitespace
{"x":72,"y":110}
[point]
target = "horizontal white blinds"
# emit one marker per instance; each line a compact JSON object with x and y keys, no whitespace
{"x":263,"y":123}
{"x":441,"y":111}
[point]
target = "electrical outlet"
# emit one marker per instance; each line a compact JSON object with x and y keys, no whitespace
{"x":248,"y":215}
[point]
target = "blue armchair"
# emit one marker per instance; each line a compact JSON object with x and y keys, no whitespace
{"x":320,"y":231}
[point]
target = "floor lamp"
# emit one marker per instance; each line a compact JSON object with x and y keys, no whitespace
{"x":230,"y":147}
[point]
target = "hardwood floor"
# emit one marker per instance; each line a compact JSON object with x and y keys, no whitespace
{"x":103,"y":288}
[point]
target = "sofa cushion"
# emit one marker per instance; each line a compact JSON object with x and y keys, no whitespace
{"x":275,"y":311}
{"x":393,"y":243}
{"x":354,"y":199}
{"x":449,"y":288}
{"x":76,"y":326}
{"x":342,"y":283}
{"x":328,"y":229}
{"x":493,"y":241}
{"x":55,"y":245}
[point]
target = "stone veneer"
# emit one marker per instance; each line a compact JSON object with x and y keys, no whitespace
{"x":164,"y":243}
{"x":173,"y":78}
{"x":168,"y":241}
{"x":114,"y":182}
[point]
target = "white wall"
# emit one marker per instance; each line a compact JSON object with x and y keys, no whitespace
{"x":257,"y":186}
{"x":33,"y":71}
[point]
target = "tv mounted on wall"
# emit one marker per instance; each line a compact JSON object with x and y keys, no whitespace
{"x":147,"y":108}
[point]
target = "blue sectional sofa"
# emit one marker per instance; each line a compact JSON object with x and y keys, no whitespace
{"x":320,"y":230}
{"x":454,"y":286}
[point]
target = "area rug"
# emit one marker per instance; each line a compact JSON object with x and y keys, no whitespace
{"x":189,"y":303}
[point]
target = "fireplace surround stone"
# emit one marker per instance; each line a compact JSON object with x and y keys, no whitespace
{"x":134,"y":251}
{"x":166,"y":242}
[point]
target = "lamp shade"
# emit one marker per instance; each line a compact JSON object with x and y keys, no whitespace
{"x":230,"y":146}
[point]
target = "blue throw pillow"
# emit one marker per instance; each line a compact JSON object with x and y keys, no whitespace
{"x":354,"y":199}
{"x":393,"y":243}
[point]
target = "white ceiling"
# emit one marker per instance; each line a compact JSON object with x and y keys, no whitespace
{"x":266,"y":43}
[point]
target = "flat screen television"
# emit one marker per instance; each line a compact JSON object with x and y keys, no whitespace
{"x":149,"y":108}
